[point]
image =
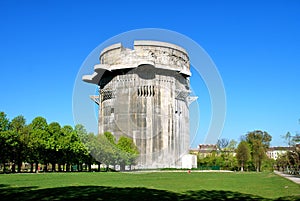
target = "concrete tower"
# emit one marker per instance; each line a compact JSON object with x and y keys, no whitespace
{"x":144,"y":95}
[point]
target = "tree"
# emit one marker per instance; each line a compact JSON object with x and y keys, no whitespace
{"x":81,"y":133}
{"x":63,"y":145}
{"x":111,"y":138}
{"x":103,"y":150}
{"x":4,"y":150}
{"x":4,"y":122}
{"x":222,"y":143}
{"x":231,"y":146}
{"x":8,"y":142}
{"x":17,"y":126}
{"x":86,"y":140}
{"x":259,"y":142}
{"x":18,"y":123}
{"x":37,"y":141}
{"x":126,"y":144}
{"x":129,"y":149}
{"x":39,"y":123}
{"x":243,"y":154}
{"x":53,"y":147}
{"x":287,"y":137}
{"x":296,"y":139}
{"x":40,"y":143}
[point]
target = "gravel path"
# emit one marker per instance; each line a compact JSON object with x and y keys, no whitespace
{"x":293,"y":178}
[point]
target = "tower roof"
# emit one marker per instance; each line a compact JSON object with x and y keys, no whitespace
{"x":159,"y":54}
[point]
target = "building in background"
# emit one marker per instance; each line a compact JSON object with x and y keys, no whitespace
{"x":206,"y":149}
{"x":275,"y":152}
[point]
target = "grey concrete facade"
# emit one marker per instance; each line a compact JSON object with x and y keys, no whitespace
{"x":144,"y":94}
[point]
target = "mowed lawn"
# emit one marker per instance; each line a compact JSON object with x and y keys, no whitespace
{"x":147,"y":186}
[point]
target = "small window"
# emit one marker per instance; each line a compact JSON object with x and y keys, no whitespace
{"x":112,"y":110}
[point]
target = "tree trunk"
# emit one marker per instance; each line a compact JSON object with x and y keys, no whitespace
{"x":242,"y":167}
{"x":258,"y":166}
{"x":13,"y":168}
{"x":59,"y":167}
{"x":99,"y":167}
{"x":31,"y":167}
{"x":122,"y":167}
{"x":4,"y":166}
{"x":37,"y":166}
{"x":90,"y":167}
{"x":19,"y":165}
{"x":53,"y":167}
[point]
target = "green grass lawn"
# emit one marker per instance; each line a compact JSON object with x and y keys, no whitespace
{"x":147,"y":186}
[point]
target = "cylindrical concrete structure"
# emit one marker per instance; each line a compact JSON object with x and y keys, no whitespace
{"x":143,"y":94}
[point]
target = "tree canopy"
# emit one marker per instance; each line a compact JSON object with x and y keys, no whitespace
{"x":44,"y":145}
{"x":243,"y":154}
{"x":259,"y":142}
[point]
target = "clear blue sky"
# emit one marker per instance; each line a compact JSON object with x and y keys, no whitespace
{"x":254,"y":44}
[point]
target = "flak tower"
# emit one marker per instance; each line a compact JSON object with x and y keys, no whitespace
{"x":144,"y":95}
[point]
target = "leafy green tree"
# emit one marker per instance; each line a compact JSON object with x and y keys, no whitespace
{"x":4,"y":122}
{"x":268,"y":164}
{"x":62,"y":144}
{"x":39,"y":123}
{"x":224,"y":161}
{"x":18,"y":127}
{"x":259,"y":142}
{"x":106,"y":151}
{"x":73,"y":148}
{"x":81,"y":133}
{"x":294,"y":161}
{"x":54,"y":149}
{"x":231,"y":146}
{"x":4,"y":150}
{"x":289,"y":161}
{"x":103,"y":150}
{"x":126,"y":144}
{"x":243,"y":154}
{"x":111,"y":138}
{"x":129,"y":149}
{"x":9,"y":143}
{"x":87,"y":141}
{"x":18,"y":123}
{"x":282,"y":162}
{"x":37,"y":141}
{"x":40,"y":143}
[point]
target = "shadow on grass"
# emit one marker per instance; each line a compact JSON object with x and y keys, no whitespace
{"x":113,"y":193}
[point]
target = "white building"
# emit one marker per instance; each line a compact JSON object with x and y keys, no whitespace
{"x":275,"y":152}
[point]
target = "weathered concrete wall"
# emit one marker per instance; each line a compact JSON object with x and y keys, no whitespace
{"x":143,"y":94}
